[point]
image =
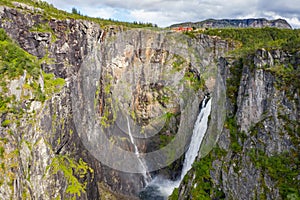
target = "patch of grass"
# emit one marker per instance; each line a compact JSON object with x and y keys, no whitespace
{"x":4,"y":102}
{"x":287,"y":77}
{"x":282,"y":168}
{"x":178,"y":62}
{"x":194,"y":80}
{"x":191,"y":34}
{"x":203,"y":187}
{"x":6,"y":123}
{"x":14,"y":60}
{"x":73,"y":172}
{"x":230,"y":123}
{"x":255,"y":38}
{"x":44,"y":28}
{"x":51,"y":84}
{"x":108,"y":111}
{"x":2,"y":152}
{"x":175,"y":195}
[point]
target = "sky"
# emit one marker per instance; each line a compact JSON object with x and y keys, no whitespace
{"x":167,"y":12}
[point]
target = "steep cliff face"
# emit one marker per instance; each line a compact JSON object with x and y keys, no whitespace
{"x":257,"y":153}
{"x":100,"y":78}
{"x":49,"y":160}
{"x":73,"y":90}
{"x":237,"y":23}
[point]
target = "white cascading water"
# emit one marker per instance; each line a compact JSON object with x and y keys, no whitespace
{"x":145,"y":173}
{"x":166,"y":186}
{"x":196,"y":140}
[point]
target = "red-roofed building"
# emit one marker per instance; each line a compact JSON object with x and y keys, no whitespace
{"x":181,"y":29}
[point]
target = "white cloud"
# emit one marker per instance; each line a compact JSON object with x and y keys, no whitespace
{"x":155,"y":17}
{"x":167,"y":12}
{"x":105,"y":13}
{"x":293,"y":21}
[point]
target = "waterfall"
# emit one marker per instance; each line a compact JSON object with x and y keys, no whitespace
{"x":198,"y":134}
{"x":145,"y":173}
{"x":164,"y":186}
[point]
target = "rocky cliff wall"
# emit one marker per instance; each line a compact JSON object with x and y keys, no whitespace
{"x":257,"y":153}
{"x":107,"y":73}
{"x":50,"y":159}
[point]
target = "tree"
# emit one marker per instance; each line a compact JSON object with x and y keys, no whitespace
{"x":75,"y":11}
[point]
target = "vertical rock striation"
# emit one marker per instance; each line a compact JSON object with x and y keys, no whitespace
{"x":150,"y":74}
{"x":257,"y":153}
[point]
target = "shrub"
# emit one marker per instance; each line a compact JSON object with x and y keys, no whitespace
{"x":6,"y":123}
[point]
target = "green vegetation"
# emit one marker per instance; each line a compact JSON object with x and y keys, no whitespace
{"x":191,"y":76}
{"x":5,"y":123}
{"x":233,"y":82}
{"x":282,"y":168}
{"x":165,"y":139}
{"x":165,"y":135}
{"x":96,"y":99}
{"x":251,"y":39}
{"x":13,"y":63}
{"x":164,"y":99}
{"x":44,"y":28}
{"x":202,"y":185}
{"x":194,"y":80}
{"x":191,"y":34}
{"x":107,"y":109}
{"x":75,"y":11}
{"x":2,"y":152}
{"x":174,"y":195}
{"x":17,"y":64}
{"x":52,"y":84}
{"x":231,"y":125}
{"x":73,"y":171}
{"x":205,"y":188}
{"x":178,"y":63}
{"x":291,"y":127}
{"x":14,"y":60}
{"x":287,"y":77}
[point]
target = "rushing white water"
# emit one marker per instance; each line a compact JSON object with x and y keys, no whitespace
{"x":164,"y":186}
{"x":196,"y":140}
{"x":146,"y":175}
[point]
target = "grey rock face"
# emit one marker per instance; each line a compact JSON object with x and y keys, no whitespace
{"x":150,"y":73}
{"x":267,"y":116}
{"x":259,"y":104}
{"x":144,"y":74}
{"x":237,"y":23}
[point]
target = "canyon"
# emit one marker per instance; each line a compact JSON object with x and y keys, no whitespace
{"x":108,"y":109}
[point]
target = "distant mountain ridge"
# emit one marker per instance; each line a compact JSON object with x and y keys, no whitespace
{"x":236,"y":23}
